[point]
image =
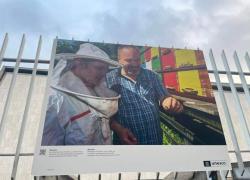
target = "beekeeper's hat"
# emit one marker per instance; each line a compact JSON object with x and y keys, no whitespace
{"x":88,"y":51}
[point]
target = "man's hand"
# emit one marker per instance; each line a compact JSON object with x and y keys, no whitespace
{"x":125,"y":135}
{"x":172,"y":105}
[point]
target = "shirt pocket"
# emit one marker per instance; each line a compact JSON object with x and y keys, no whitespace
{"x":147,"y":91}
{"x":84,"y":130}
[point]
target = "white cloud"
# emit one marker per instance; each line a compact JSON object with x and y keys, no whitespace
{"x":222,"y":24}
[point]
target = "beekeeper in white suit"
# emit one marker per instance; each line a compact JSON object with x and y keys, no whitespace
{"x":80,"y":104}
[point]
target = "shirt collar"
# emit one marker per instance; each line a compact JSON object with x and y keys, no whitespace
{"x":140,"y":76}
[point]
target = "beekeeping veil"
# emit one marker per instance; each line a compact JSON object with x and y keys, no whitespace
{"x":106,"y":103}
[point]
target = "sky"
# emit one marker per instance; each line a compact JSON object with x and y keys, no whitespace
{"x":203,"y":24}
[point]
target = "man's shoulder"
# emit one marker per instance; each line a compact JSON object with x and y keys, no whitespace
{"x":112,"y":77}
{"x":114,"y":71}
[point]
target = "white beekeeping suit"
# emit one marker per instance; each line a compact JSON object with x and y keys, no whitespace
{"x":75,"y":115}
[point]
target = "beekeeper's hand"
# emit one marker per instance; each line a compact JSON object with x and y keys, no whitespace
{"x":125,"y":135}
{"x":171,"y":104}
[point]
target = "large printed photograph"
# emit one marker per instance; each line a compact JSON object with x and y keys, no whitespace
{"x":118,"y":94}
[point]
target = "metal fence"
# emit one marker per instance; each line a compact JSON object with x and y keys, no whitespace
{"x":234,"y":100}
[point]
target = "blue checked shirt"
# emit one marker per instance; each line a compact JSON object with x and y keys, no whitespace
{"x":138,"y":105}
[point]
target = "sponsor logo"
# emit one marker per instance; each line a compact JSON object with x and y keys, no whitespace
{"x":219,"y":163}
{"x":214,"y":163}
{"x":207,"y":163}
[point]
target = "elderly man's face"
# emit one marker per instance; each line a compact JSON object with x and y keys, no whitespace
{"x":130,"y":59}
{"x":92,"y":73}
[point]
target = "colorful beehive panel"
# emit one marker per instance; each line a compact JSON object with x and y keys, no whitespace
{"x":189,"y":80}
{"x":204,"y":77}
{"x":147,"y":56}
{"x":155,"y":59}
{"x":170,"y":79}
{"x":156,"y":63}
{"x":199,"y":57}
{"x":152,"y":59}
{"x":143,"y":64}
{"x":147,"y":53}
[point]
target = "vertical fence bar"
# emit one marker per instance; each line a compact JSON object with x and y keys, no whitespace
{"x":139,"y":176}
{"x":3,"y":48}
{"x":175,"y":175}
{"x":26,"y":110}
{"x":119,"y":176}
{"x":208,"y":175}
{"x":242,"y":77}
{"x":227,"y":114}
{"x":45,"y":100}
{"x":227,"y":173}
{"x":13,"y":81}
{"x":247,"y":58}
{"x":222,"y":175}
{"x":157,"y":175}
{"x":193,"y":176}
{"x":242,"y":119}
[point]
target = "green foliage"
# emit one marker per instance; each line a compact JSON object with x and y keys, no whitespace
{"x":170,"y":136}
{"x":71,"y":46}
{"x":110,"y":49}
{"x":67,"y":46}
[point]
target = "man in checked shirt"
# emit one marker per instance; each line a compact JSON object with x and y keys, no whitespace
{"x":137,"y":120}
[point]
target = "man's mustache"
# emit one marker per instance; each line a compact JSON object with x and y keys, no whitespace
{"x":133,"y":67}
{"x":132,"y":70}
